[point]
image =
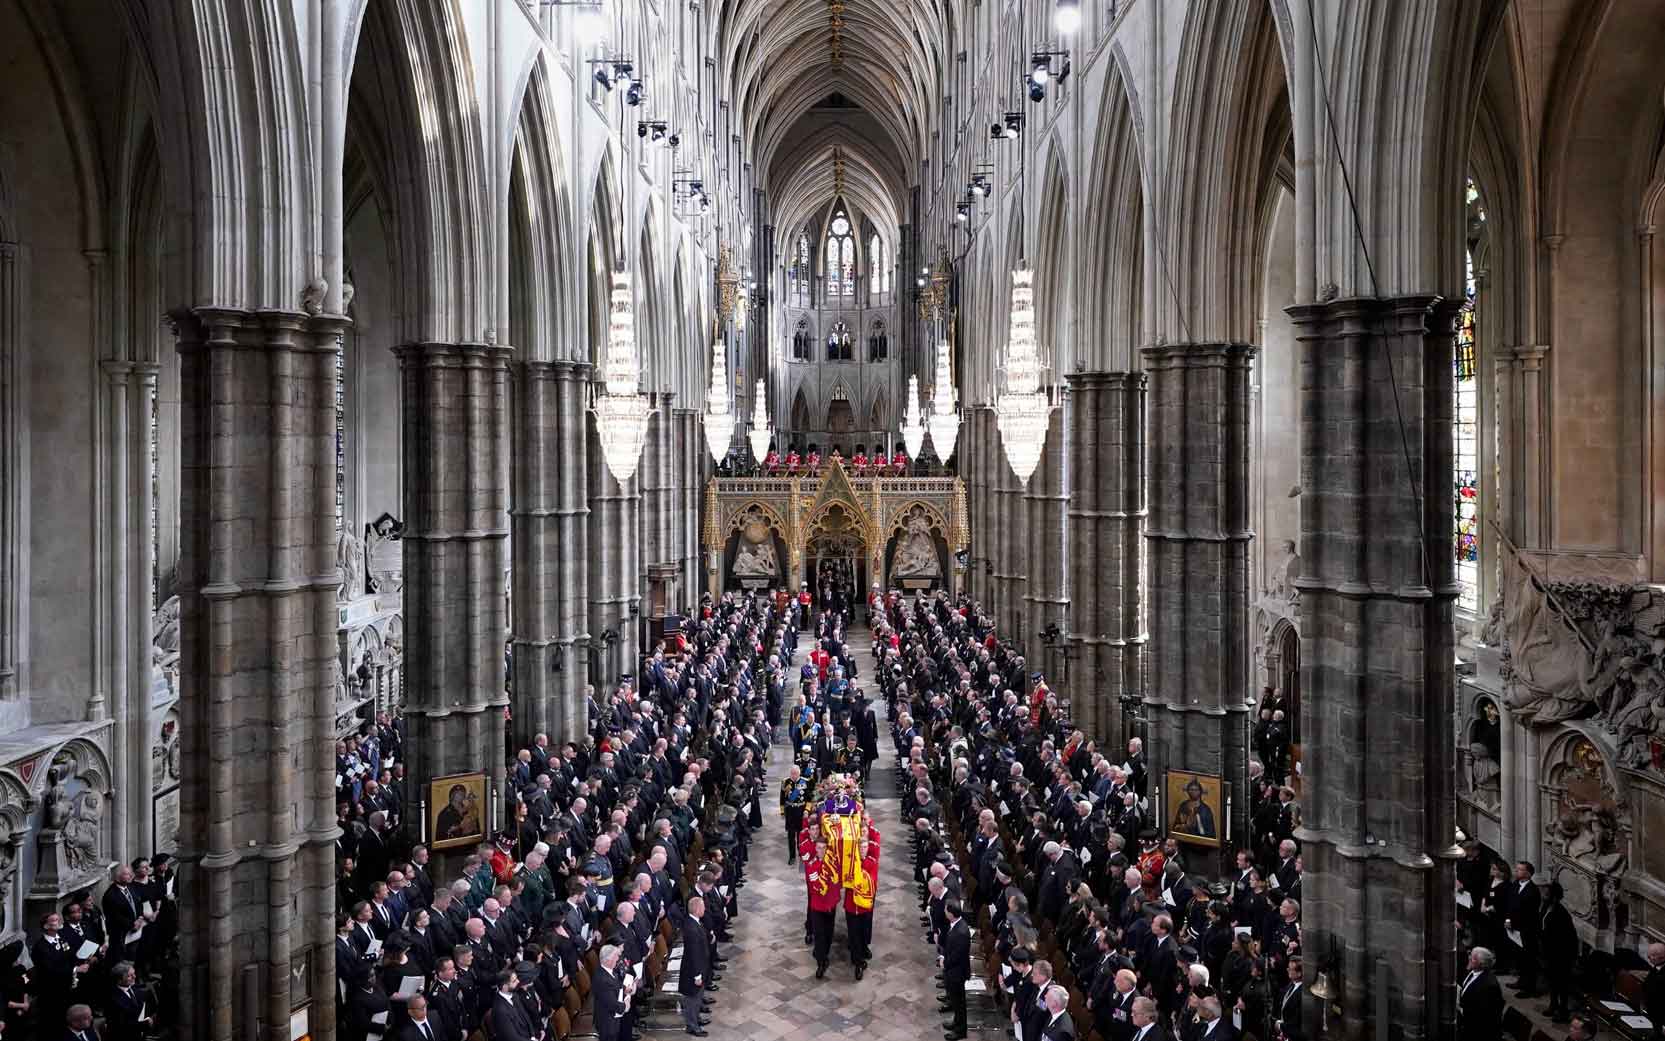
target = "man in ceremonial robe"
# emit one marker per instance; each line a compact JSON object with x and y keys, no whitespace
{"x":794,"y":796}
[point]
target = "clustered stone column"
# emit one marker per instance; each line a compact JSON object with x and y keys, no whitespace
{"x":454,"y":451}
{"x":549,"y":536}
{"x":257,"y":584}
{"x":1198,"y":539}
{"x":980,"y":455}
{"x":1107,"y":551}
{"x":614,"y":566}
{"x":1011,"y":563}
{"x":1377,"y":677}
{"x":690,"y":473}
{"x":1041,"y":539}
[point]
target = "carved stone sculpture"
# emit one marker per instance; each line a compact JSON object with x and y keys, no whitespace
{"x":755,"y":557}
{"x":916,"y":554}
{"x":1583,"y":650}
{"x":1485,"y":784}
{"x":384,"y":555}
{"x":83,"y":834}
{"x":58,"y":808}
{"x":349,"y":564}
{"x":8,"y":877}
{"x":312,"y":297}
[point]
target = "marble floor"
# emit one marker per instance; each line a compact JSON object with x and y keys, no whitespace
{"x":769,"y":990}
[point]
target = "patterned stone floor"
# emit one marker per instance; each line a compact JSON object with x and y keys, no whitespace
{"x":769,"y":990}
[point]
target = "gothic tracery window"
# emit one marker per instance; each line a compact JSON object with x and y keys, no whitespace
{"x":800,"y":267}
{"x":841,"y":258}
{"x":1465,"y":433}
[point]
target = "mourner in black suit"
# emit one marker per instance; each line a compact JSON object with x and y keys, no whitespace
{"x":612,"y":997}
{"x":1480,"y":999}
{"x":426,"y":1023}
{"x":956,"y":968}
{"x":696,"y":964}
{"x":1525,"y":917}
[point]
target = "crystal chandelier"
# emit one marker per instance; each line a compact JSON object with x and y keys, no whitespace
{"x":719,"y":414}
{"x":1023,"y":411}
{"x":945,"y":414}
{"x":913,"y":423}
{"x":621,"y":411}
{"x":759,"y":434}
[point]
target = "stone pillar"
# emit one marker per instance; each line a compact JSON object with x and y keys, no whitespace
{"x":614,"y":568}
{"x":1041,"y":540}
{"x":548,"y":537}
{"x":454,"y":452}
{"x":126,"y":501}
{"x":1011,"y":563}
{"x":1198,"y":540}
{"x":690,"y":475}
{"x":986,"y":537}
{"x":257,"y":585}
{"x":1377,"y":679}
{"x":1107,"y":551}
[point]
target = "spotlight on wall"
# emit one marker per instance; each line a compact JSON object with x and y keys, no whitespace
{"x":635,"y":93}
{"x":981,"y":186}
{"x":962,"y":212}
{"x":1037,"y":90}
{"x":1013,"y":126}
{"x":674,"y":140}
{"x":1040,"y":67}
{"x":1066,"y":18}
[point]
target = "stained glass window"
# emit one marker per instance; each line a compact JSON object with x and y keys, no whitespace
{"x":841,"y":258}
{"x":800,"y":269}
{"x":875,"y":267}
{"x":340,"y":435}
{"x":1465,"y":435}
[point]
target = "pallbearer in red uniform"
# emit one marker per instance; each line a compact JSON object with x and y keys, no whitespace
{"x":792,"y":461}
{"x":859,"y":893}
{"x":899,"y":462}
{"x":821,"y":875}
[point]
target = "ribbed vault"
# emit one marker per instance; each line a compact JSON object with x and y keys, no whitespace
{"x":820,"y":85}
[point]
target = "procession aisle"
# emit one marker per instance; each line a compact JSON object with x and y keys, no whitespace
{"x":769,"y":988}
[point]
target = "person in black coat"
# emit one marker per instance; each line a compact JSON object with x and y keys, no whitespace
{"x":1559,"y":939}
{"x":364,"y":1004}
{"x":956,"y":968}
{"x":1525,"y":917}
{"x":426,"y":1023}
{"x":132,"y":1008}
{"x":447,"y":1002}
{"x":1653,"y":987}
{"x":1480,"y":999}
{"x":509,"y":1021}
{"x":612,"y":997}
{"x":696,"y":964}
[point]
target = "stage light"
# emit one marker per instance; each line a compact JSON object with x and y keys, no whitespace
{"x":962,"y":213}
{"x":675,"y":140}
{"x":604,"y":79}
{"x":1067,"y":18}
{"x":1040,"y":67}
{"x":1064,"y":71}
{"x":659,"y":131}
{"x":641,"y":129}
{"x":1037,"y":92}
{"x":996,"y":131}
{"x":634,"y":93}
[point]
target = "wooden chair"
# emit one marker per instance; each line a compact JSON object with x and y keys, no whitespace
{"x":583,"y":982}
{"x":571,"y":1003}
{"x":562,"y":1022}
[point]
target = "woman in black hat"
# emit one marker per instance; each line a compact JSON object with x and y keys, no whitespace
{"x":14,"y":990}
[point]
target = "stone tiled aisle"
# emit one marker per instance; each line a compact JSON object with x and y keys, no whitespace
{"x":769,"y":990}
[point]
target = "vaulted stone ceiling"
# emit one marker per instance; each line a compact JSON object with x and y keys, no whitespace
{"x":835,"y":95}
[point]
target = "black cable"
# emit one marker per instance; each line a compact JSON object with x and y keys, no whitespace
{"x":1375,"y":291}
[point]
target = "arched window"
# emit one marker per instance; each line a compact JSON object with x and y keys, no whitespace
{"x":841,"y":258}
{"x":800,"y":267}
{"x":800,"y":341}
{"x":876,"y":266}
{"x":1465,"y":434}
{"x":878,"y":344}
{"x":838,"y":343}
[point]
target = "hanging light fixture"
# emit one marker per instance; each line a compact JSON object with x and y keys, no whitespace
{"x":945,"y":407}
{"x":719,"y":413}
{"x":759,"y":435}
{"x":1023,"y":411}
{"x":913,"y":423}
{"x":621,"y":411}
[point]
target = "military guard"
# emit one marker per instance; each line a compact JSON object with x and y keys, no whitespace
{"x":795,"y":793}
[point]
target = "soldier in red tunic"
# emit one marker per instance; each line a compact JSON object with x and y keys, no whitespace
{"x":824,"y":895}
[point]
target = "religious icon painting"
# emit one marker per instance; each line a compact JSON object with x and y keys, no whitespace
{"x":1195,"y":805}
{"x":457,"y":811}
